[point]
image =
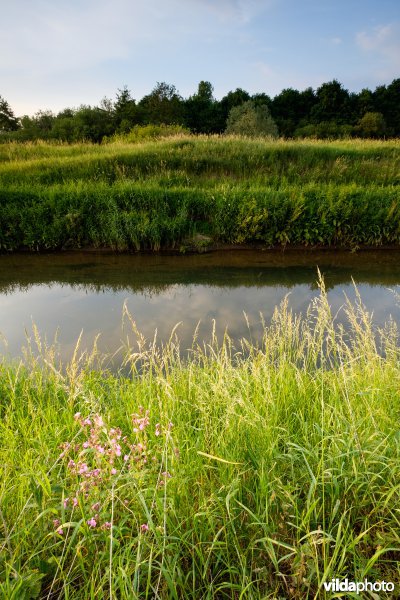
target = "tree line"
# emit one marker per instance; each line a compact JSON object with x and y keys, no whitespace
{"x":330,"y":111}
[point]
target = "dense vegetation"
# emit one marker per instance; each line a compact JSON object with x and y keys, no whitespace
{"x":156,"y":194}
{"x":248,"y":472}
{"x":331,"y":111}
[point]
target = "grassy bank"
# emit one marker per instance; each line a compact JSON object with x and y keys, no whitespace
{"x":157,"y":194}
{"x":241,"y":473}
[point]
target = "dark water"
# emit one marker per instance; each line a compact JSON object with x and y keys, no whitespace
{"x":87,"y":291}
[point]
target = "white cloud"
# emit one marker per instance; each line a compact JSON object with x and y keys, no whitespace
{"x":383,"y":42}
{"x":336,"y":41}
{"x":242,"y":11}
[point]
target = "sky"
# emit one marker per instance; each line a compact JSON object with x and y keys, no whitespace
{"x":63,"y":53}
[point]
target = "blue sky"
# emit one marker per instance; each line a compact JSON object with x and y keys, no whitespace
{"x":59,"y":53}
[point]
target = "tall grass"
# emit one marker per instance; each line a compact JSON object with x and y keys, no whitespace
{"x":262,"y":471}
{"x":155,"y":194}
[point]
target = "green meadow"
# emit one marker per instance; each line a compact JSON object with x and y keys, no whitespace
{"x":185,"y":192}
{"x":241,"y":472}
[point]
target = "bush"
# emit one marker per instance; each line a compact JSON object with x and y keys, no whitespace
{"x":251,"y":121}
{"x":141,"y":133}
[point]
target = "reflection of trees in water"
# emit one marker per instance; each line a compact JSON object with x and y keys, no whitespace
{"x":152,"y":283}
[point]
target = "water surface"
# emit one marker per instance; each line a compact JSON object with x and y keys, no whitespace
{"x":86,"y":291}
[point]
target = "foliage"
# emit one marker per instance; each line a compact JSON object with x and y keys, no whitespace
{"x":328,"y":112}
{"x":163,"y":105}
{"x":8,"y":121}
{"x":156,"y":193}
{"x":287,"y":478}
{"x":251,"y":121}
{"x":372,"y":125}
{"x":141,"y":133}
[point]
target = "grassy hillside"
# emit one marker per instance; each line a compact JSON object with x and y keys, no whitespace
{"x":242,"y":473}
{"x":157,"y":194}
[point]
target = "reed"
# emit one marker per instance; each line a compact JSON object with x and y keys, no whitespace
{"x":247,"y":472}
{"x":160,"y":194}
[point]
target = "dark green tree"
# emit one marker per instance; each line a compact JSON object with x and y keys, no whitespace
{"x":8,"y":121}
{"x":163,"y":105}
{"x":126,"y":112}
{"x":387,"y":101}
{"x":332,"y":104}
{"x":202,"y":110}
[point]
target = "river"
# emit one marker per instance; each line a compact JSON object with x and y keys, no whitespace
{"x":67,"y":293}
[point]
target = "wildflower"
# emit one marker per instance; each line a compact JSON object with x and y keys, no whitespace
{"x":86,"y":421}
{"x":83,"y":468}
{"x":158,"y":431}
{"x":74,"y":502}
{"x":166,"y":474}
{"x":96,"y":506}
{"x":71,"y":464}
{"x":126,"y":457}
{"x":65,"y":503}
{"x":60,"y":531}
{"x":56,"y":522}
{"x":77,"y":416}
{"x":106,"y":525}
{"x":92,"y":522}
{"x":98,"y":421}
{"x":85,"y":445}
{"x":113,"y":471}
{"x":144,"y":527}
{"x":100,"y":449}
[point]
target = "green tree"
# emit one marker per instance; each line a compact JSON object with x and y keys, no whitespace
{"x":251,"y":120}
{"x":372,"y":125}
{"x":163,"y":105}
{"x":202,"y":110}
{"x":332,"y":103}
{"x":226,"y":104}
{"x":290,"y":108}
{"x":126,"y":112}
{"x":8,"y":121}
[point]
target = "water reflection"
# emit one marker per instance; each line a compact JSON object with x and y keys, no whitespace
{"x":88,"y":291}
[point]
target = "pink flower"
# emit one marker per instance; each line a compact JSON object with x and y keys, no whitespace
{"x":74,"y":502}
{"x":83,"y":468}
{"x":158,"y":431}
{"x":96,"y":506}
{"x":126,"y":457}
{"x":106,"y":525}
{"x":86,"y":421}
{"x":92,"y":522}
{"x":98,"y":421}
{"x":60,"y":531}
{"x":56,"y":522}
{"x":65,"y":503}
{"x":113,"y":471}
{"x":77,"y":416}
{"x":85,"y":445}
{"x":71,"y":464}
{"x":100,"y":449}
{"x":144,"y":527}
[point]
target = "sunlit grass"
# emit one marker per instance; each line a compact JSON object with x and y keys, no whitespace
{"x":156,"y":194}
{"x":284,"y":464}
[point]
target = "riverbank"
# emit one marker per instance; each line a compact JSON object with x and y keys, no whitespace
{"x":192,"y":194}
{"x":262,"y":471}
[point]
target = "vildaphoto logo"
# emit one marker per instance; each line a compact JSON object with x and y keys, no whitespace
{"x":344,"y":585}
